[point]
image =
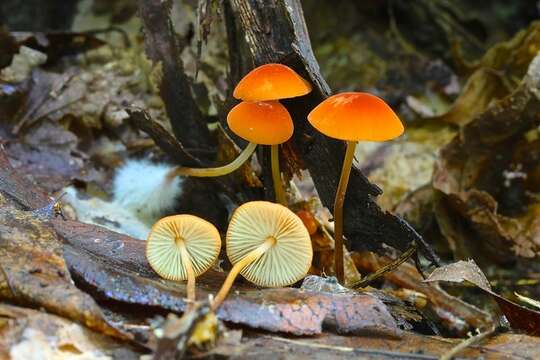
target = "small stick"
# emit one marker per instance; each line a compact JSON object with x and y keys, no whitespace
{"x":467,"y":342}
{"x":387,"y":268}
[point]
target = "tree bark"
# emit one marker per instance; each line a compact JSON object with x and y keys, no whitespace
{"x":162,"y":46}
{"x":275,"y":31}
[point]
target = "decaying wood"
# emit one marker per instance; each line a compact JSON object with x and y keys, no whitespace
{"x":275,"y":31}
{"x":163,"y":48}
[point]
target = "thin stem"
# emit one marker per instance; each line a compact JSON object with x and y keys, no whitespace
{"x":248,"y":259}
{"x":385,"y":269}
{"x":338,"y":211}
{"x":276,"y":175}
{"x":190,"y":287}
{"x":216,"y":171}
{"x":468,"y":342}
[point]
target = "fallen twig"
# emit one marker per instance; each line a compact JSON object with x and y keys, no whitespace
{"x":467,"y":342}
{"x":385,"y":269}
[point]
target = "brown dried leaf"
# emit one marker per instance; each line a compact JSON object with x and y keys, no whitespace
{"x":49,"y":92}
{"x":19,"y":188}
{"x":482,"y":87}
{"x":114,"y":266}
{"x":482,"y":203}
{"x":514,"y":55}
{"x":25,"y":333}
{"x":460,"y":271}
{"x":520,"y":318}
{"x":495,"y":75}
{"x":455,"y":315}
{"x":48,"y":152}
{"x":33,"y":271}
{"x":410,"y":346}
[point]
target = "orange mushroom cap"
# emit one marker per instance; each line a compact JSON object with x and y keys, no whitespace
{"x":261,"y":122}
{"x":355,"y":116}
{"x":271,"y":82}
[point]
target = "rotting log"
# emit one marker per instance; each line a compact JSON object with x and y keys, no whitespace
{"x":275,"y":31}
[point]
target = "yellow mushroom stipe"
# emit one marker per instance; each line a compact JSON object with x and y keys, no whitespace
{"x":276,"y":176}
{"x":352,"y":116}
{"x":268,"y":245}
{"x":182,"y":247}
{"x":238,"y":267}
{"x":216,"y":171}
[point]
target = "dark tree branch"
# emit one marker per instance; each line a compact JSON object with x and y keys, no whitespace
{"x":168,"y":143}
{"x":275,"y":31}
{"x":161,"y":44}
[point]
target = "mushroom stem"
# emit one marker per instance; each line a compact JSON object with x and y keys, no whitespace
{"x":338,"y":211}
{"x":216,"y":171}
{"x":248,"y":259}
{"x":276,"y":175}
{"x":190,"y":287}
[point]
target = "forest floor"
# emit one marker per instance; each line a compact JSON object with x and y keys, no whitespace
{"x":76,"y":106}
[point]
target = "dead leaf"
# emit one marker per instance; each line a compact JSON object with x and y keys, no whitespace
{"x":520,"y":318}
{"x":453,"y":314}
{"x":115,"y":268}
{"x":26,"y":333}
{"x":19,"y":188}
{"x":49,"y":92}
{"x":49,"y":154}
{"x":495,"y":75}
{"x":460,"y":271}
{"x":410,"y":346}
{"x":33,"y":271}
{"x":482,"y":87}
{"x":514,"y":55}
{"x":481,"y":206}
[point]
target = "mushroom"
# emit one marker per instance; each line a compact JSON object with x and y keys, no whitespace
{"x":181,"y":247}
{"x":268,"y":244}
{"x":260,"y":122}
{"x":272,"y":82}
{"x":260,"y":86}
{"x":352,"y":116}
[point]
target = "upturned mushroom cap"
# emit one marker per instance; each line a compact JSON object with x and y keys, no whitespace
{"x":271,"y":82}
{"x":261,"y":122}
{"x":200,"y":238}
{"x":287,"y":261}
{"x":355,"y":116}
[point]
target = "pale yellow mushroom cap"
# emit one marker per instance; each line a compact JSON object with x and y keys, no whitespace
{"x":163,"y":247}
{"x":284,"y":263}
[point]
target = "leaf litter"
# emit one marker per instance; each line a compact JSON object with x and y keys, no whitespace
{"x":63,"y":116}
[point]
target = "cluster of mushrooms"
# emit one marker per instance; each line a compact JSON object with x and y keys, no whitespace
{"x":266,"y":242}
